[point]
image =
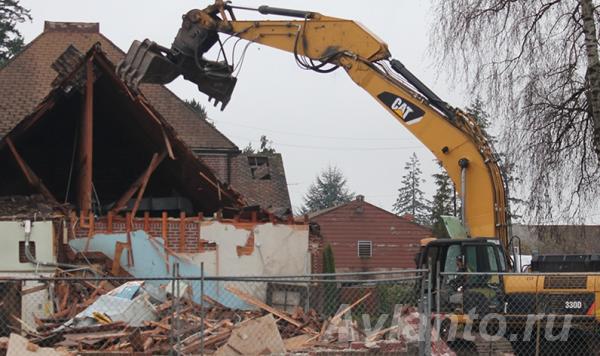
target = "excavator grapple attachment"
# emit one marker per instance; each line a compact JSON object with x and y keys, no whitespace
{"x":148,"y":62}
{"x":145,"y":63}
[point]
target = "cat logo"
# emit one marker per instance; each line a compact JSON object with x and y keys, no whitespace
{"x":408,"y":112}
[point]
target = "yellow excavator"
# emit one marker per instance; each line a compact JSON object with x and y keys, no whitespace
{"x":324,"y":44}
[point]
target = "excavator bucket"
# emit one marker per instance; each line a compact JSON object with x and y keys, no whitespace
{"x":148,"y":62}
{"x":144,"y":63}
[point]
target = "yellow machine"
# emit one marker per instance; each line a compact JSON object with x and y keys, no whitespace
{"x":323,"y":44}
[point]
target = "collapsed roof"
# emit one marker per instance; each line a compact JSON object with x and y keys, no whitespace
{"x":27,"y":78}
{"x":46,"y":152}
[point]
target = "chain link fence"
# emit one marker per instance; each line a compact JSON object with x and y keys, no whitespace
{"x":521,"y":314}
{"x":194,"y":315}
{"x":400,"y":312}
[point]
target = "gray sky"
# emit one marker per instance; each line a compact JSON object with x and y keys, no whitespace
{"x":313,"y":119}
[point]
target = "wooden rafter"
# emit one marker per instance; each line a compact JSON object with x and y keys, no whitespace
{"x":142,"y":189}
{"x":31,"y":177}
{"x":140,"y":182}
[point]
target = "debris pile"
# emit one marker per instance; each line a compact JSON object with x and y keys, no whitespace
{"x":142,"y":317}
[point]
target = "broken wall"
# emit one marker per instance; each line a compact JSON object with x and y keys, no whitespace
{"x":246,"y":249}
{"x":229,"y":249}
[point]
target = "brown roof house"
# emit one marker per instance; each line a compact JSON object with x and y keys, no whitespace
{"x":96,"y":175}
{"x":28,"y":78}
{"x":364,"y":237}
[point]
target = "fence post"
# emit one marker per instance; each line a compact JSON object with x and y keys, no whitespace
{"x":307,"y":302}
{"x":173,"y":305}
{"x":422,"y":317}
{"x":202,"y":308}
{"x":438,"y":302}
{"x":176,"y":321}
{"x":428,"y":316}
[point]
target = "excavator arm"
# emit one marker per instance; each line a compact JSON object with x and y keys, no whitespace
{"x":323,"y":44}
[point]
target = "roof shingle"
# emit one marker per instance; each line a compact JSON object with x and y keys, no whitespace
{"x":26,"y":79}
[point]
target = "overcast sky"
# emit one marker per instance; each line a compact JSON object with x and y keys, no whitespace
{"x":314,"y":120}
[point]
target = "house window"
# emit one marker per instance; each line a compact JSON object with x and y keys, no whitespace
{"x":22,"y":256}
{"x":365,"y":249}
{"x":286,"y":300}
{"x":286,"y":296}
{"x":259,"y":167}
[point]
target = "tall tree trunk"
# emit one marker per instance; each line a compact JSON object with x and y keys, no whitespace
{"x":593,"y":68}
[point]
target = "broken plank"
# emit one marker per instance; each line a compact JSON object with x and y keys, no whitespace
{"x":29,"y":174}
{"x":34,"y":289}
{"x":145,"y":179}
{"x":339,"y":315}
{"x":252,"y":300}
{"x":65,"y":297}
{"x":297,"y":343}
{"x":96,"y":328}
{"x":136,"y":340}
{"x":209,"y":341}
{"x":157,"y":324}
{"x":96,"y":336}
{"x":122,"y":202}
{"x":375,"y":335}
{"x":212,"y":301}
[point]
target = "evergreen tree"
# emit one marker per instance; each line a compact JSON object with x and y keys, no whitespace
{"x":248,"y":150}
{"x":443,"y":202}
{"x":11,"y":41}
{"x":328,"y":190}
{"x":266,"y":147}
{"x":331,"y":294}
{"x":479,"y":113}
{"x":328,"y":260}
{"x":197,"y":108}
{"x":411,"y":199}
{"x":477,"y":110}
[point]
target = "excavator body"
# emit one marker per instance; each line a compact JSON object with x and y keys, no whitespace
{"x":323,"y":44}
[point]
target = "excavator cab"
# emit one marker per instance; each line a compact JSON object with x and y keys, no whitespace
{"x":464,"y":255}
{"x":449,"y":258}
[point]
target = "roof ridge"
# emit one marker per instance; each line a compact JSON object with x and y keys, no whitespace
{"x":67,"y":26}
{"x":182,"y":101}
{"x":331,"y":209}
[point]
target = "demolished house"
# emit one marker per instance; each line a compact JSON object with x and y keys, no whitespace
{"x":96,"y":182}
{"x":94,"y":178}
{"x":27,"y":78}
{"x":103,"y":156}
{"x":99,"y":148}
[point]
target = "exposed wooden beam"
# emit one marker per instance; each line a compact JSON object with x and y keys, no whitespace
{"x":31,"y":177}
{"x":142,"y":189}
{"x":86,"y":142}
{"x":139,"y":182}
{"x":149,"y":111}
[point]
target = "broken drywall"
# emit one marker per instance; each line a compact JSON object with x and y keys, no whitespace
{"x":278,"y":250}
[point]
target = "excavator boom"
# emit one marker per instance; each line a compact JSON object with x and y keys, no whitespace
{"x":324,"y":44}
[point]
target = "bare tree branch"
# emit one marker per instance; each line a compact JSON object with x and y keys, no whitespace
{"x":535,"y":62}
